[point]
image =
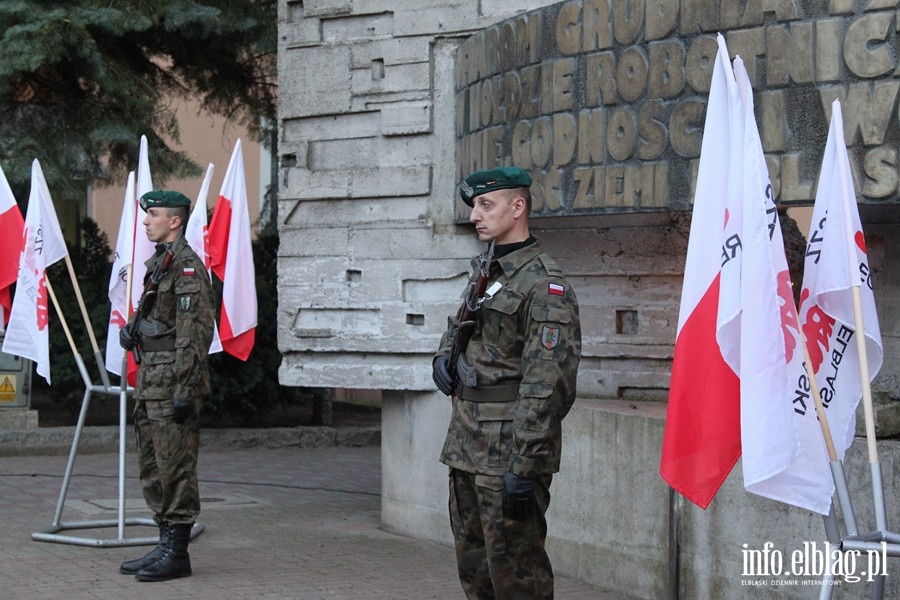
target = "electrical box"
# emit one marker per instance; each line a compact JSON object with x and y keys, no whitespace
{"x":15,"y":380}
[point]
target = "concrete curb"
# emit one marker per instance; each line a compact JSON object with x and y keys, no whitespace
{"x":56,"y":441}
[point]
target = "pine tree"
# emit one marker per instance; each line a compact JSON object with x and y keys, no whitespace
{"x":82,"y":80}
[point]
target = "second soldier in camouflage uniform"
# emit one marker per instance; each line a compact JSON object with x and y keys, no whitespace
{"x":173,"y":339}
{"x":516,"y":382}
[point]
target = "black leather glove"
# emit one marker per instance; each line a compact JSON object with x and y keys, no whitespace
{"x":125,"y":339}
{"x":518,"y":496}
{"x":181,"y":409}
{"x":441,"y":374}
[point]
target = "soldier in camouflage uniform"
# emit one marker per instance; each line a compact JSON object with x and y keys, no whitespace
{"x":513,"y":386}
{"x":173,"y":340}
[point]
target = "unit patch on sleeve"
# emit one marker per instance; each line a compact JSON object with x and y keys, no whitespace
{"x":549,"y":337}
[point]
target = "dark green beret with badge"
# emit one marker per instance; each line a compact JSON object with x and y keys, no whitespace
{"x":501,"y":178}
{"x":164,"y":199}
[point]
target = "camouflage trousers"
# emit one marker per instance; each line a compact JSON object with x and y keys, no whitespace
{"x":167,"y":458}
{"x":499,"y":558}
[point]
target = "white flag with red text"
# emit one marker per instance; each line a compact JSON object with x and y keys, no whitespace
{"x":702,"y":440}
{"x":11,"y":227}
{"x":197,"y":237}
{"x":27,"y":334}
{"x":120,"y":308}
{"x":836,"y":261}
{"x":143,"y":247}
{"x":779,"y":460}
{"x":231,"y":259}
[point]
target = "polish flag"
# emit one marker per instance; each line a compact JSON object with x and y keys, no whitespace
{"x":702,"y":440}
{"x":197,"y":237}
{"x":231,"y":259}
{"x":120,"y":308}
{"x":28,"y":332}
{"x":11,"y":226}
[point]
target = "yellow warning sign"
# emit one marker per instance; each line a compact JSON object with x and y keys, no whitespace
{"x":8,"y":388}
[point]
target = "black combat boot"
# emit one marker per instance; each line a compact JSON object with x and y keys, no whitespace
{"x":131,"y":567}
{"x":175,"y":561}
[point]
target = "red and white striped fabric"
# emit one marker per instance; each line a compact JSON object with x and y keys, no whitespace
{"x":11,"y":227}
{"x":197,"y":236}
{"x":231,"y":259}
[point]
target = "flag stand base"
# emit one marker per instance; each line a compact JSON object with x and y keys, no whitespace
{"x":52,"y":533}
{"x":880,"y":543}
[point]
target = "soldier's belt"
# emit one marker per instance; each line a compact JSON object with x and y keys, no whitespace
{"x":496,"y":393}
{"x":158,"y":344}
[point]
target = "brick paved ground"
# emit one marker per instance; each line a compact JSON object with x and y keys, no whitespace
{"x":280,"y":523}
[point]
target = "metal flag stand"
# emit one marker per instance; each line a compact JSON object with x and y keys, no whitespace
{"x":52,"y":533}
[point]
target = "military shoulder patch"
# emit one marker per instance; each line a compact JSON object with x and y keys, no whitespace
{"x":185,"y":302}
{"x":556,"y":290}
{"x":188,"y":271}
{"x":549,"y":337}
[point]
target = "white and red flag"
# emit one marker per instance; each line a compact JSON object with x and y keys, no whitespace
{"x":231,"y":259}
{"x":28,"y":332}
{"x":120,"y":307}
{"x":11,"y":226}
{"x":702,"y":440}
{"x":197,"y":237}
{"x":836,"y":261}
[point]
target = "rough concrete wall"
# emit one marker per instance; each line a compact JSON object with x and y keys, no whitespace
{"x":370,"y":262}
{"x":609,"y":518}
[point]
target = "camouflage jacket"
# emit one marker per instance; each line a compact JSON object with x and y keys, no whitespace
{"x":183,"y":312}
{"x":523,"y":358}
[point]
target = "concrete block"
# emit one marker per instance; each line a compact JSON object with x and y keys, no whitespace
{"x":408,"y":118}
{"x":357,"y":210}
{"x":318,"y":242}
{"x":414,"y":486}
{"x":300,"y":34}
{"x":391,"y":51}
{"x":331,"y":155}
{"x":331,"y":127}
{"x":438,"y":20}
{"x":367,"y":371}
{"x":18,"y":418}
{"x":503,"y":9}
{"x":303,"y":184}
{"x":314,"y":81}
{"x":400,"y":78}
{"x":321,"y":8}
{"x":346,"y":29}
{"x":390,"y":182}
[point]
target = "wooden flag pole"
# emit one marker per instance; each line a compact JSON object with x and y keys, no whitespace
{"x":837,"y":469}
{"x":62,"y":317}
{"x":87,"y":322}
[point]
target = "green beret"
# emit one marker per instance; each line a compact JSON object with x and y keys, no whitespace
{"x":164,"y":199}
{"x":501,"y":178}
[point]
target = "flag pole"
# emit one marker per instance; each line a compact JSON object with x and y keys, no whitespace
{"x":87,"y":323}
{"x":123,"y":407}
{"x":852,"y":266}
{"x":837,"y":468}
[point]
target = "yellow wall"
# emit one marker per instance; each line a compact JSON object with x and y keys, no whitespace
{"x":205,"y":139}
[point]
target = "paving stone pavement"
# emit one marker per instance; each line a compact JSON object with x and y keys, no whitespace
{"x":286,"y":523}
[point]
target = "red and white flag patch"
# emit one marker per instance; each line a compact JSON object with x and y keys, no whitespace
{"x":557,"y":290}
{"x":188,"y":272}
